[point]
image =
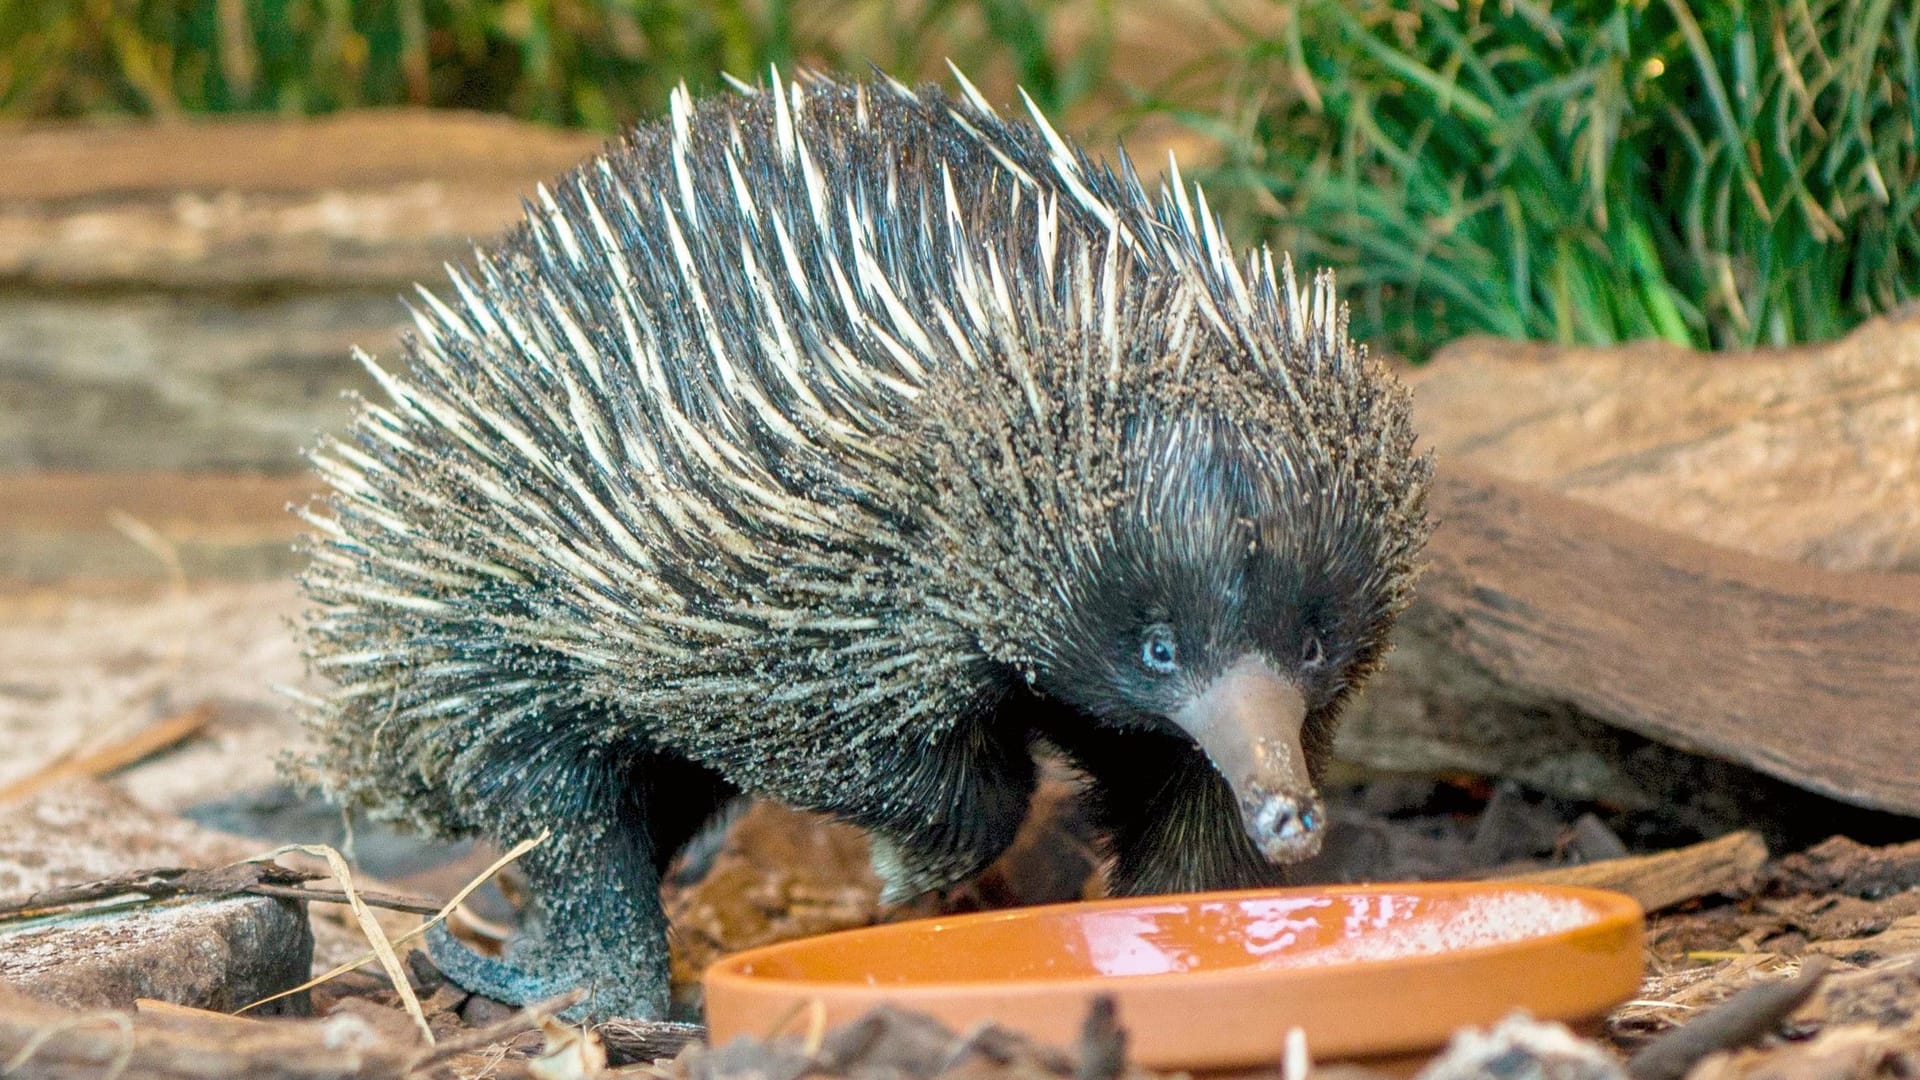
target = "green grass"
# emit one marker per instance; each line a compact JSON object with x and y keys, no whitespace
{"x":1719,"y":174}
{"x":593,"y":63}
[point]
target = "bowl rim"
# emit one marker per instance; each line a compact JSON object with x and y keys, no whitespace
{"x":1613,"y":912}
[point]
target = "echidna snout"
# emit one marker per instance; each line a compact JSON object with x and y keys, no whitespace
{"x":1286,"y":826}
{"x":1249,"y":720}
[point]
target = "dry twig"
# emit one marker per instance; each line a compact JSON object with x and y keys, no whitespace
{"x":163,"y":883}
{"x":143,"y":743}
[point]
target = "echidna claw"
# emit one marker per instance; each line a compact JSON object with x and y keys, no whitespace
{"x":499,"y":979}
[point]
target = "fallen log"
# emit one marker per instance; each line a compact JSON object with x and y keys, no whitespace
{"x":1540,"y":617}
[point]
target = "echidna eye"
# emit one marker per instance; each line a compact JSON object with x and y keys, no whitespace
{"x":1313,"y":653}
{"x":1157,"y":650}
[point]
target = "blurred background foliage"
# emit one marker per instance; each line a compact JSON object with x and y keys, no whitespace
{"x":592,"y":63}
{"x":1720,"y":173}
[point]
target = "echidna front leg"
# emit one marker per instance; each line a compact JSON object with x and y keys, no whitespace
{"x":594,"y":921}
{"x":1173,"y":824}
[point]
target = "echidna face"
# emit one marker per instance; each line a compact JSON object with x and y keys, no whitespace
{"x":1238,"y":618}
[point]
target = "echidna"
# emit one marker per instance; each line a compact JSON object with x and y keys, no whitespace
{"x":838,"y":443}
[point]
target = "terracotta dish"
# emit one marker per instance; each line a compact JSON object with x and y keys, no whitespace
{"x":1215,"y":980}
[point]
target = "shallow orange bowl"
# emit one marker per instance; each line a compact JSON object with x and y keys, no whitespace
{"x":1215,"y":980}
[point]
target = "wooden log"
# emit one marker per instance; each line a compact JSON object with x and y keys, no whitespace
{"x":184,"y":296}
{"x":1730,"y":863}
{"x":1806,"y":675}
{"x":1803,"y":453}
{"x":377,"y":197}
{"x":132,"y":380}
